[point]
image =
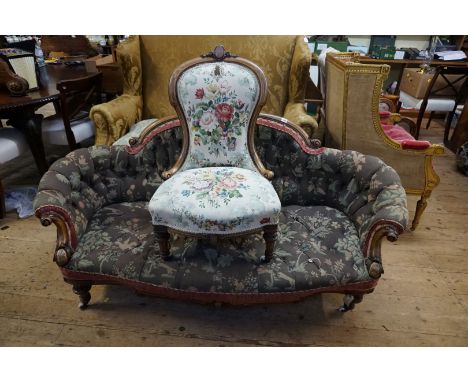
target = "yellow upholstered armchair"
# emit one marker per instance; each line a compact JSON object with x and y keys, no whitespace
{"x":148,"y":61}
{"x":353,"y":122}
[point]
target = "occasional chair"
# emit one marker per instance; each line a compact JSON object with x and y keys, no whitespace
{"x":353,"y":122}
{"x":217,"y":186}
{"x":445,"y":97}
{"x":72,"y":125}
{"x":12,"y":145}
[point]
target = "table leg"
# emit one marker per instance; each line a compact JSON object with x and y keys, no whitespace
{"x":30,"y":124}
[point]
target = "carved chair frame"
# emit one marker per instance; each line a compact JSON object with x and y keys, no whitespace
{"x":218,"y":55}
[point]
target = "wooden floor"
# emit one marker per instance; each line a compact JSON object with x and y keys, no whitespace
{"x":422,"y":299}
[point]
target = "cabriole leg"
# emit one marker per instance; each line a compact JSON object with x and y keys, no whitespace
{"x":420,"y":207}
{"x":162,"y":237}
{"x":82,"y":290}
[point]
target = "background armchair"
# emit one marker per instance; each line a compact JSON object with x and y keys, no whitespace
{"x":353,"y":122}
{"x":148,"y":61}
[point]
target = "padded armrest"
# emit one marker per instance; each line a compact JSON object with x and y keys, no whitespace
{"x":379,"y":199}
{"x":113,"y":119}
{"x":296,"y":113}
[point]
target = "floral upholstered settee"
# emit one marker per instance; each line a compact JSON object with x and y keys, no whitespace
{"x":337,"y":206}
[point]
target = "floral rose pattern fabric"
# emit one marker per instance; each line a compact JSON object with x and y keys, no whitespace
{"x":217,"y":186}
{"x":218,"y":100}
{"x":213,"y":200}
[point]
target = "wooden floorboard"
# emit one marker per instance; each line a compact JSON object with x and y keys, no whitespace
{"x":421,"y":300}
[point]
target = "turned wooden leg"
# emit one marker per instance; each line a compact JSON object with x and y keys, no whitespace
{"x":350,"y":300}
{"x":82,"y":290}
{"x":269,"y":234}
{"x":162,"y":237}
{"x":420,"y":207}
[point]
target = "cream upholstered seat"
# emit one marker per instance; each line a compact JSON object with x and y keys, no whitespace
{"x":217,"y":185}
{"x":215,"y":200}
{"x":53,"y":131}
{"x":12,"y":145}
{"x":433,"y":104}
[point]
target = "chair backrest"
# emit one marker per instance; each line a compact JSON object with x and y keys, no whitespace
{"x":77,"y":96}
{"x":322,"y":70}
{"x":447,"y":82}
{"x":218,"y":98}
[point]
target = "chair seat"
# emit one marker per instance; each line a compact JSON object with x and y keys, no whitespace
{"x":215,"y":200}
{"x":12,"y":144}
{"x":53,"y":130}
{"x":433,"y":104}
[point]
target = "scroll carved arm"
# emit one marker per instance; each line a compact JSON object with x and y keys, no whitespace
{"x":374,"y":258}
{"x":64,"y":246}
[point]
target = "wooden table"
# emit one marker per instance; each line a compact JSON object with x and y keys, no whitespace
{"x":405,"y":63}
{"x":21,"y":111}
{"x":408,"y":63}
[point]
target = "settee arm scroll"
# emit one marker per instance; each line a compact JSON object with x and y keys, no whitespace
{"x":113,"y":119}
{"x":50,"y":207}
{"x":383,"y":215}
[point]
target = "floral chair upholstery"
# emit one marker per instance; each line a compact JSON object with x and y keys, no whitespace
{"x":217,"y":186}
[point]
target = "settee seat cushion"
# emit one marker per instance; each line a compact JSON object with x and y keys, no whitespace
{"x":317,"y":246}
{"x":215,"y":200}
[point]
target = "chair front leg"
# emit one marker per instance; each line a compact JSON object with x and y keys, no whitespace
{"x":162,"y":237}
{"x":270,"y":233}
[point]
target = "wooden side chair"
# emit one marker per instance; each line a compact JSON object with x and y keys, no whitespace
{"x":218,"y":185}
{"x":72,"y":125}
{"x":443,"y":94}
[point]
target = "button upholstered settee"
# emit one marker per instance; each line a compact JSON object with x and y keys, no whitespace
{"x":337,"y":206}
{"x":147,"y":63}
